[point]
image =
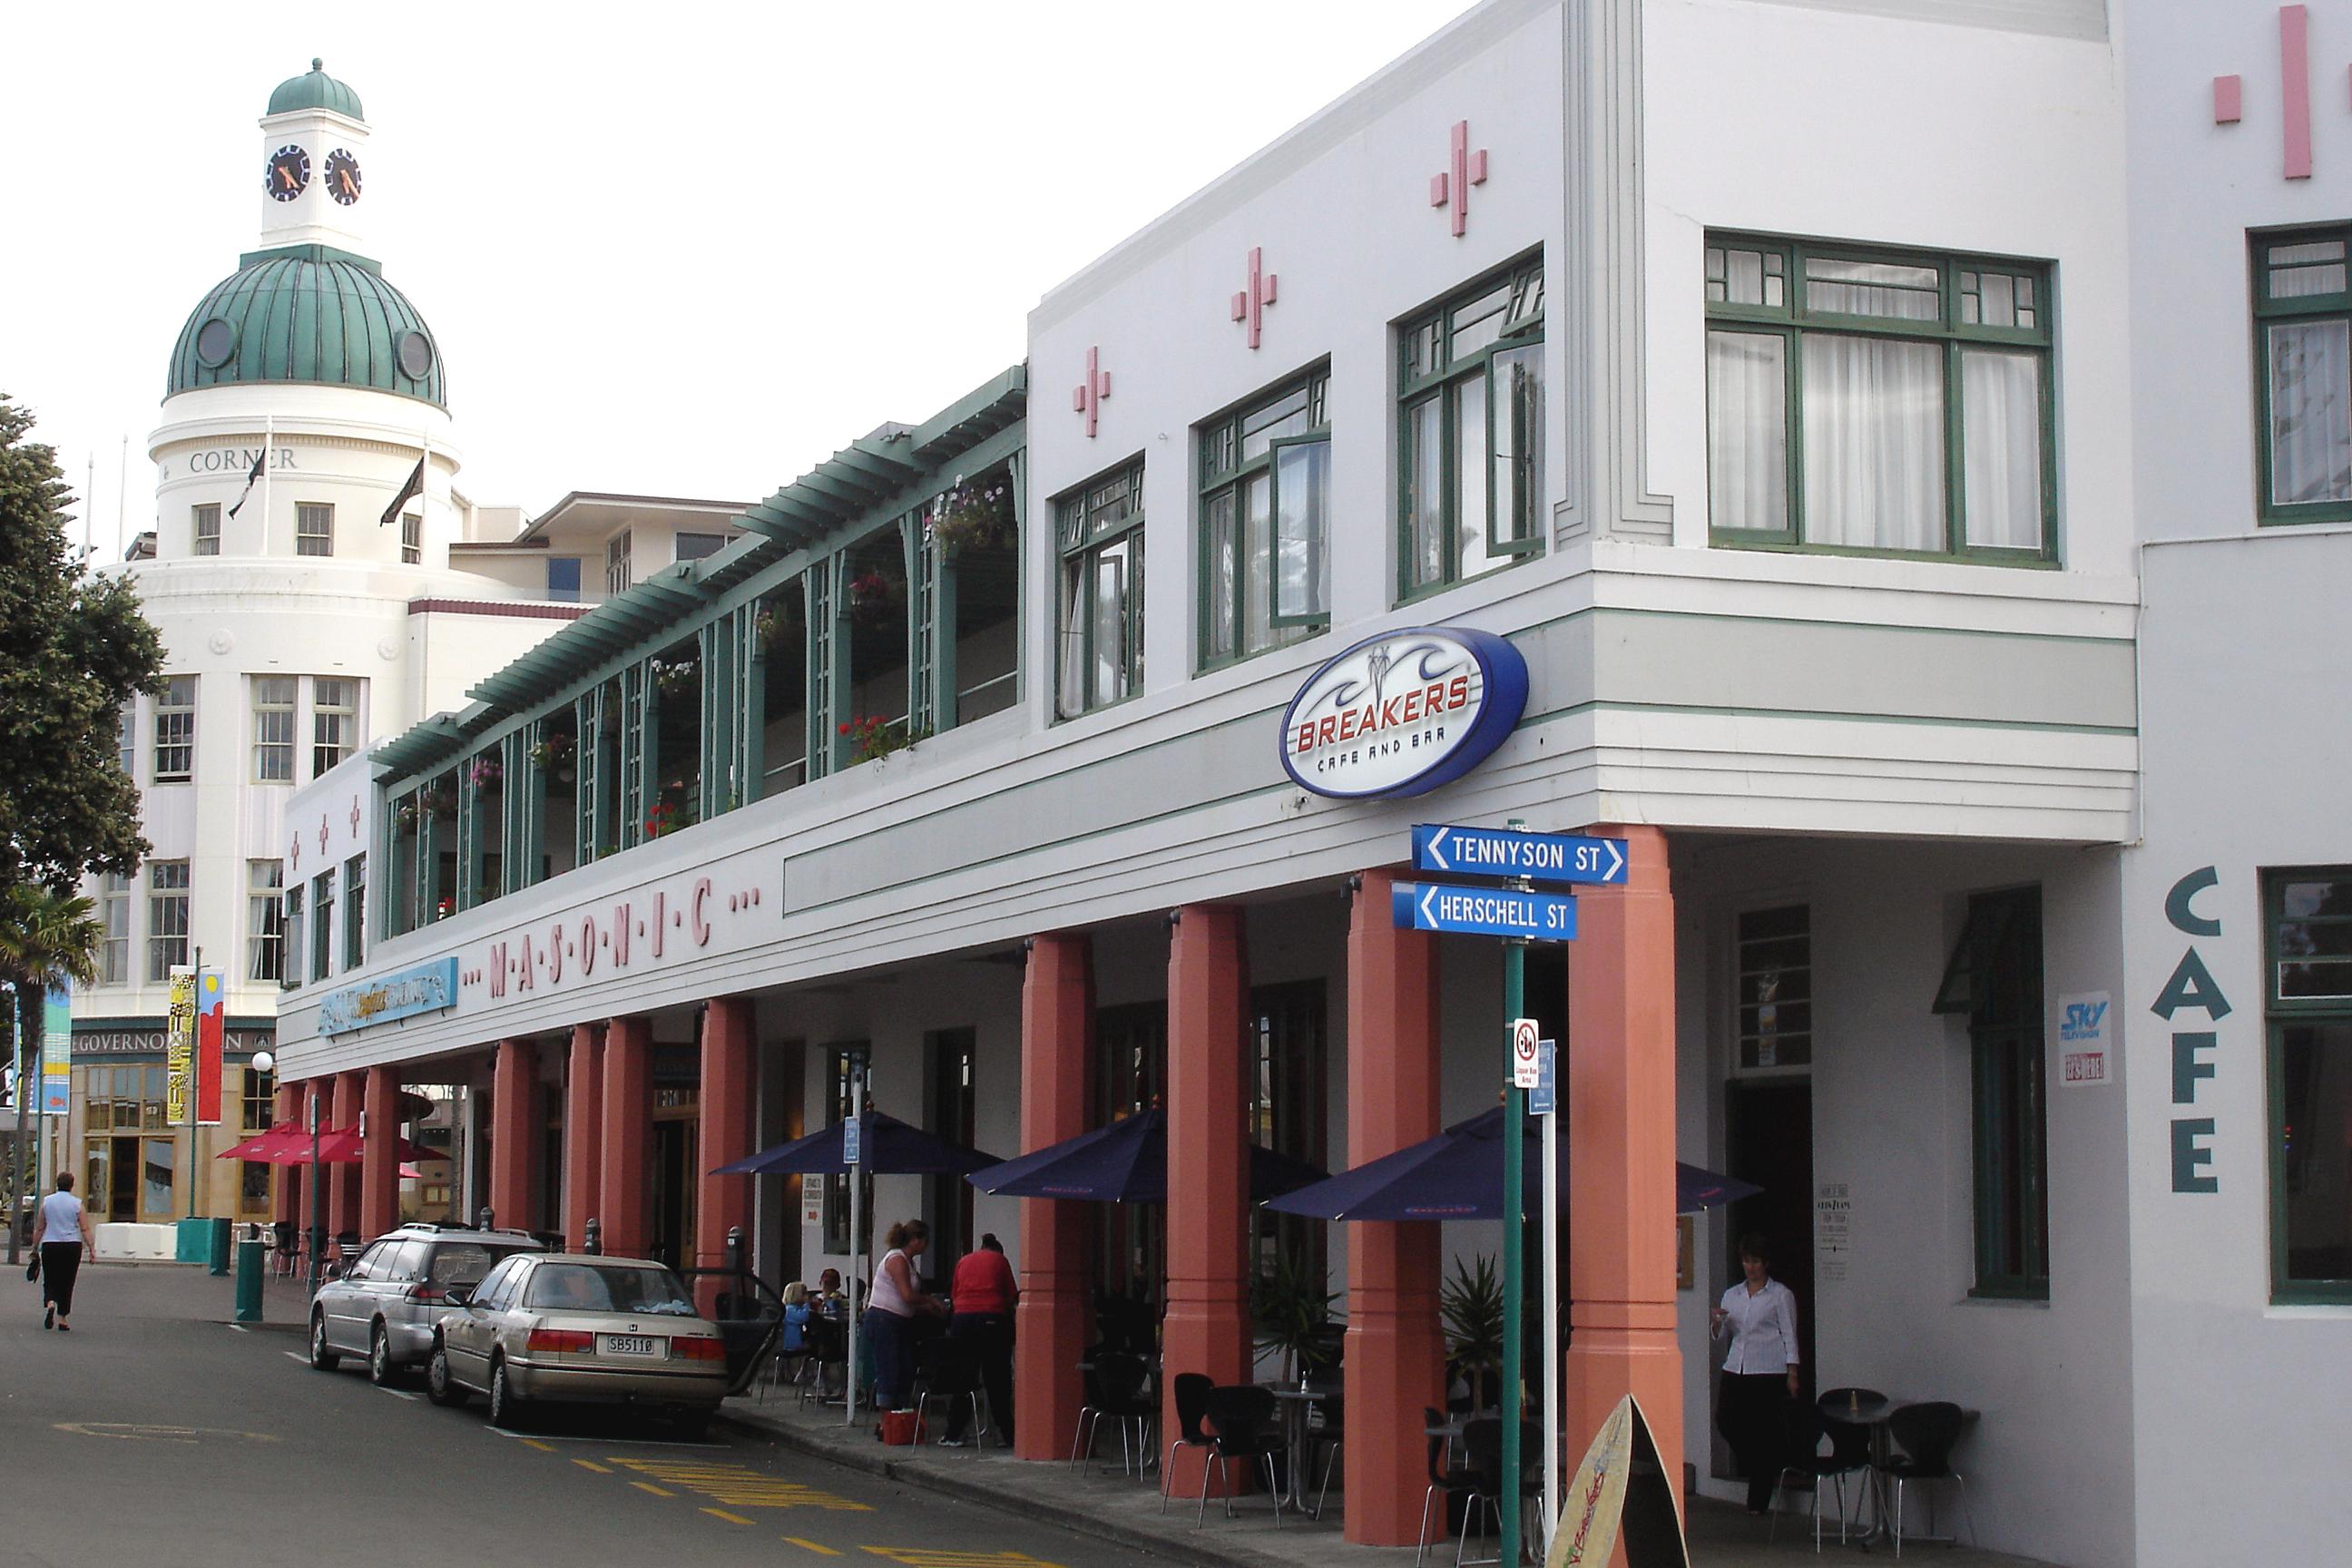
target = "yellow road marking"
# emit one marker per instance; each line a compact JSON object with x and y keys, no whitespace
{"x":535,"y":1443}
{"x":730,"y":1518}
{"x":735,"y":1486}
{"x":649,"y":1486}
{"x":934,"y":1557}
{"x":591,"y":1464}
{"x":812,"y":1546}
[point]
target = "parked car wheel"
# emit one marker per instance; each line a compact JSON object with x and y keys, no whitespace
{"x":381,"y":1369}
{"x":321,"y":1358}
{"x":437,"y":1386}
{"x":506,"y":1410}
{"x":693,"y":1426}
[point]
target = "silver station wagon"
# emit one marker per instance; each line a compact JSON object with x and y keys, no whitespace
{"x":385,"y":1301}
{"x":571,"y":1329}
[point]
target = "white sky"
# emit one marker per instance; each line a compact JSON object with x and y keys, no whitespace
{"x":675,"y":248}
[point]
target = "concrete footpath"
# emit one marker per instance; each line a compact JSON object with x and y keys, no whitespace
{"x":1098,"y":1501}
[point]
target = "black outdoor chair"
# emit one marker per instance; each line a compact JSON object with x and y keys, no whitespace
{"x":1325,"y":1425}
{"x":1447,"y":1476}
{"x":1849,"y":1454}
{"x":1192,"y":1391}
{"x":1926,"y":1433}
{"x":949,"y":1370}
{"x":829,"y":1348}
{"x":1483,"y":1441}
{"x":1118,"y":1391}
{"x":284,"y":1247}
{"x":1243,"y":1427}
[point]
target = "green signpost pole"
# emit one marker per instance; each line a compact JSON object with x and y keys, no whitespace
{"x":1515,"y":1110}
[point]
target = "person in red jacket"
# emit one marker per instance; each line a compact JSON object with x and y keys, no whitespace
{"x":982,"y":1295}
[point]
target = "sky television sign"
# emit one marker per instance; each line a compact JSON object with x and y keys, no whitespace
{"x":1403,"y":713}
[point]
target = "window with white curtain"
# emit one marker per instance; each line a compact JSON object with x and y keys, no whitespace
{"x":1098,"y":620}
{"x":1864,"y":400}
{"x":2303,"y":339}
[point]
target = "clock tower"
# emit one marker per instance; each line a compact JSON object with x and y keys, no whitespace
{"x":312,"y":168}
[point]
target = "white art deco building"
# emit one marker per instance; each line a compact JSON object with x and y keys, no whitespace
{"x":319,"y":582}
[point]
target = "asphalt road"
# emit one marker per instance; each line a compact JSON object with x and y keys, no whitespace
{"x":156,"y":1433}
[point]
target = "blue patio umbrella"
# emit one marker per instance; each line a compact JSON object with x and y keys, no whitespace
{"x":893,"y":1148}
{"x":1458,"y":1174}
{"x":1125,"y":1162}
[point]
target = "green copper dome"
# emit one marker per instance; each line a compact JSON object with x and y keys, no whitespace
{"x":308,"y":315}
{"x":315,"y":89}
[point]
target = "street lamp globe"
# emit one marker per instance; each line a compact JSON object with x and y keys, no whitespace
{"x":263,"y":1061}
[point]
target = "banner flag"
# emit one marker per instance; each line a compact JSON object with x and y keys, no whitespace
{"x":259,"y":460}
{"x":211,"y":1035}
{"x":56,"y":1053}
{"x":179,"y":1044}
{"x":408,"y":492}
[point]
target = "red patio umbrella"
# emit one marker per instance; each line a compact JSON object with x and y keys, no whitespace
{"x":341,"y":1146}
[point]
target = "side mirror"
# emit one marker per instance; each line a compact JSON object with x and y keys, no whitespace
{"x":458,"y":1295}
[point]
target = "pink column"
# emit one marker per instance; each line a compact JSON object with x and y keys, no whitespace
{"x":1058,"y":1014}
{"x":343,"y":1181}
{"x":289,"y":1177}
{"x":725,"y":1104}
{"x":379,"y":1155}
{"x":1207,"y":1328}
{"x":1620,"y":1143}
{"x":1395,"y":1362}
{"x":624,"y":1181}
{"x":514,"y":1129}
{"x":583,"y":1129}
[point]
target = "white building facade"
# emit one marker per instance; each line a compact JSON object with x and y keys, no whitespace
{"x":1806,"y":393}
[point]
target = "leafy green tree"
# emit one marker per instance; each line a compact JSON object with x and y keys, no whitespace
{"x":73,"y":649}
{"x":46,"y":939}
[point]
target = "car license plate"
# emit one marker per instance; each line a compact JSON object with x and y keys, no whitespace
{"x":627,"y":1345}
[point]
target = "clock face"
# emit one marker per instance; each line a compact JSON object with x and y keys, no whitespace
{"x":289,"y":174}
{"x":342,"y":176}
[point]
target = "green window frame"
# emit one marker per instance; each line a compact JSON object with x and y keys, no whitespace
{"x":1994,"y":980}
{"x":2307,"y":986}
{"x":1940,"y":358}
{"x":1098,"y":594}
{"x":2303,"y":317}
{"x":1458,"y":364}
{"x":1266,"y":506}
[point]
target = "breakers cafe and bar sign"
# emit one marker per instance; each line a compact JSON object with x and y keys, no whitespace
{"x":1403,"y":712}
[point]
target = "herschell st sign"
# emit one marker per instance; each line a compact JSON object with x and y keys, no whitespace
{"x":1403,"y":712}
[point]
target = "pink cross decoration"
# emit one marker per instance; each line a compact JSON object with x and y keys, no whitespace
{"x":2295,"y":93}
{"x":322,"y":833}
{"x":1453,"y":184}
{"x":1087,"y":397}
{"x":356,"y":816}
{"x":1250,"y":304}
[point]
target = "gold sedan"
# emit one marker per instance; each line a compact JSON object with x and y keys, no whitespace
{"x":569,"y":1329}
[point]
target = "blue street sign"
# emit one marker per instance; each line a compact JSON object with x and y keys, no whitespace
{"x":1500,"y":852}
{"x":1484,"y":911}
{"x":851,"y":1142}
{"x":1544,"y":1098}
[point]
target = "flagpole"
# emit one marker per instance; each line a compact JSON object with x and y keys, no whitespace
{"x":268,"y":439}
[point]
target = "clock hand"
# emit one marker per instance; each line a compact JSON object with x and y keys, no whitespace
{"x":286,"y":176}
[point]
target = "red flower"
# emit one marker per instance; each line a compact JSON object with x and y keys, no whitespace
{"x":844,"y":726}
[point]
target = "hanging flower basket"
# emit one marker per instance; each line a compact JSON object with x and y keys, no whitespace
{"x":975,"y":516}
{"x":875,"y":598}
{"x":437,"y":800}
{"x":484,"y":772}
{"x":778,"y":627}
{"x":676,"y":677}
{"x":554,"y":755}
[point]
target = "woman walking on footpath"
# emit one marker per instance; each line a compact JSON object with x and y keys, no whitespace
{"x":61,"y":1233}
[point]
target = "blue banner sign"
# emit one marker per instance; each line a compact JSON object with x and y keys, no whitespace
{"x":1501,"y":852}
{"x":404,"y":994}
{"x":1484,"y":911}
{"x":853,"y":1141}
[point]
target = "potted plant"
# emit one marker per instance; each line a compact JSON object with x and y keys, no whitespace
{"x":872,"y":737}
{"x":665,"y":817}
{"x":778,"y":624}
{"x":675,"y":678}
{"x":875,"y":596}
{"x":1292,"y":1314}
{"x":1471,"y":1306}
{"x":484,"y":772}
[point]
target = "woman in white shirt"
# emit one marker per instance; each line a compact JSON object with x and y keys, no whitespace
{"x":61,"y":1234}
{"x":1759,"y":1371}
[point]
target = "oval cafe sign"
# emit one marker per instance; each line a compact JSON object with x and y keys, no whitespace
{"x":1403,"y":712}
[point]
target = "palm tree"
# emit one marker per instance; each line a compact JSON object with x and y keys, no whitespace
{"x":46,"y":938}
